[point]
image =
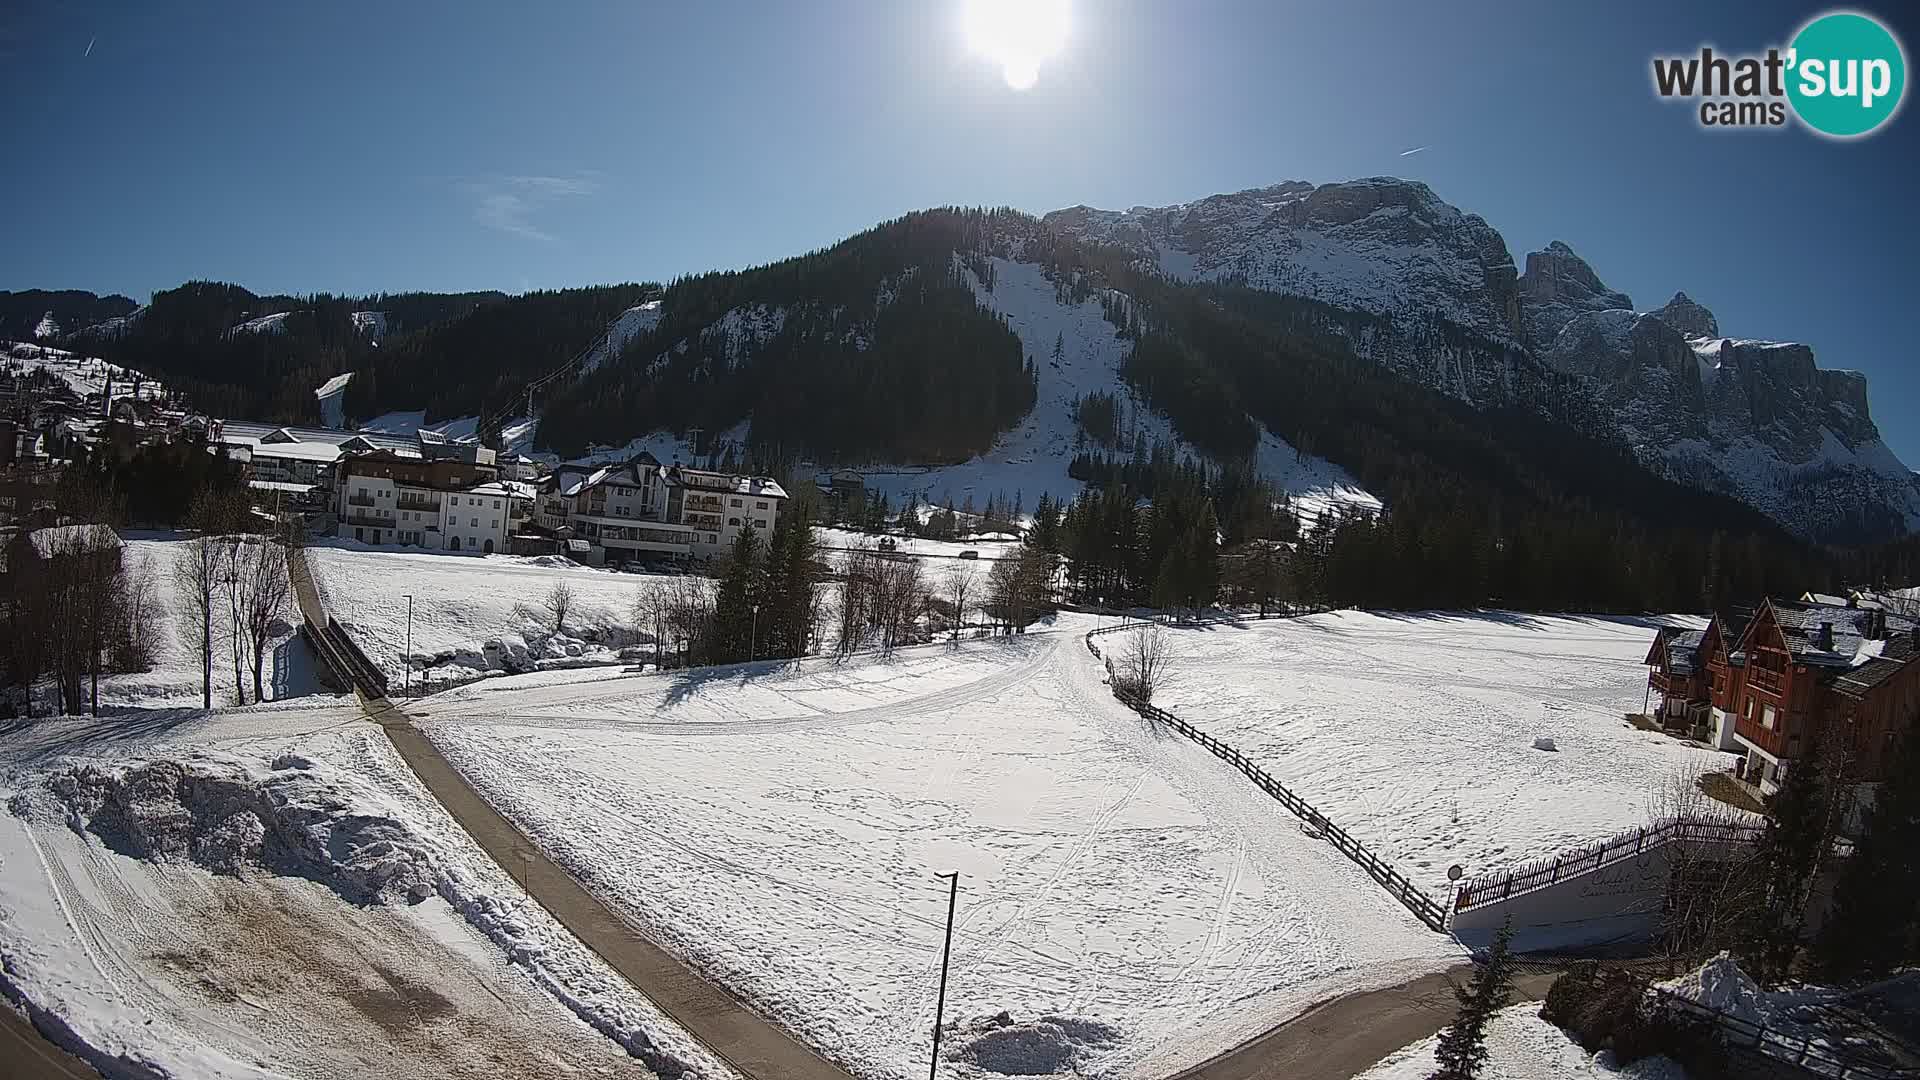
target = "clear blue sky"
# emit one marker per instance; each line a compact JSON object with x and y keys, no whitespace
{"x":362,"y":147}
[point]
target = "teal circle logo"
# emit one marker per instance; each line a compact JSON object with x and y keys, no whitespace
{"x":1846,"y":74}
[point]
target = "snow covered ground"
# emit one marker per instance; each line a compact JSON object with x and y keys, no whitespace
{"x":1415,"y":732}
{"x":1133,"y":905}
{"x":1524,"y":1047}
{"x":160,"y":878}
{"x":473,"y":614}
{"x":173,"y":679}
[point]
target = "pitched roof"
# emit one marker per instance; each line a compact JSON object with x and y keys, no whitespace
{"x":1805,"y":626}
{"x":1895,"y":655}
{"x":1683,"y":651}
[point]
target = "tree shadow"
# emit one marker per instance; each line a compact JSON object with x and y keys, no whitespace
{"x":48,"y":737}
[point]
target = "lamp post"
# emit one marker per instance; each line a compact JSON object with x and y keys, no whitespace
{"x":946,"y":954}
{"x":683,"y":652}
{"x":406,"y":661}
{"x":753,"y":632}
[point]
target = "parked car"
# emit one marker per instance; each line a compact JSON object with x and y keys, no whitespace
{"x":969,"y":554}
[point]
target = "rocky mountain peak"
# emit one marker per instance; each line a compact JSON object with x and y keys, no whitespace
{"x":1556,"y":286}
{"x":1685,"y":315}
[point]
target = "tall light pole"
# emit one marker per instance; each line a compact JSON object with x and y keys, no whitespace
{"x":753,"y":633}
{"x":946,"y":954}
{"x":406,"y":661}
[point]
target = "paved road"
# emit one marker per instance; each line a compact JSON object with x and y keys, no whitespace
{"x":25,"y":1054}
{"x":1344,"y":1037}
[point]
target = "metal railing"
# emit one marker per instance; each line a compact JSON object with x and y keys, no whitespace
{"x":1811,"y":1053}
{"x":1540,"y":873}
{"x":1424,"y":907}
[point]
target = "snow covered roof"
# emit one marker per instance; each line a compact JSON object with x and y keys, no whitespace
{"x":1683,"y":651}
{"x":507,"y":489}
{"x":1894,"y":654}
{"x":1832,"y":634}
{"x":283,"y":486}
{"x":705,"y":480}
{"x":297,"y":451}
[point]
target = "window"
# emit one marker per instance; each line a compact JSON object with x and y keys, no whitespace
{"x":733,"y":502}
{"x":1749,"y":706}
{"x":760,"y":505}
{"x":733,"y":521}
{"x":496,"y":504}
{"x":712,"y":539}
{"x":496,"y":523}
{"x":760,"y":523}
{"x":1766,"y":717}
{"x":475,"y":524}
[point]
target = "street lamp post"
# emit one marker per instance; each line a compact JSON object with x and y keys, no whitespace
{"x":753,"y":633}
{"x":406,"y":670}
{"x":946,"y":954}
{"x":683,"y":652}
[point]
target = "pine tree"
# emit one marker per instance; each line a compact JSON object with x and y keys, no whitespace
{"x":1463,"y":1047}
{"x":733,"y":616}
{"x":1875,"y":924}
{"x":1789,"y":855}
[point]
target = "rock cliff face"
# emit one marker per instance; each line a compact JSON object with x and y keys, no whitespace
{"x":1758,"y":420}
{"x":1557,"y":286}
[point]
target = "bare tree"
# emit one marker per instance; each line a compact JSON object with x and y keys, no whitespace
{"x":196,"y":577}
{"x":559,"y":604}
{"x":267,"y":588}
{"x":137,"y":610}
{"x":1143,"y":661}
{"x":960,"y":588}
{"x":690,"y":611}
{"x":899,"y":599}
{"x":1715,"y":886}
{"x":235,"y":575}
{"x":651,"y":610}
{"x":858,"y":581}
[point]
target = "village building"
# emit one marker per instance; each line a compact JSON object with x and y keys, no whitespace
{"x":643,"y":511}
{"x":1797,"y":678}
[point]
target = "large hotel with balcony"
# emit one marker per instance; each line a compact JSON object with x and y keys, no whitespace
{"x":644,"y":511}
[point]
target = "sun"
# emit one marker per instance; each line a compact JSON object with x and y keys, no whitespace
{"x":1017,"y":35}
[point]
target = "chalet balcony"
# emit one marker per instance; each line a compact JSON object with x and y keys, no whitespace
{"x":359,"y":500}
{"x":1771,"y":682}
{"x":405,"y":502}
{"x":704,"y":504}
{"x":1668,"y":684}
{"x":369,"y":520}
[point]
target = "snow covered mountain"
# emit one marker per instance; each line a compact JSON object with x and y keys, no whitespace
{"x":1757,"y":420}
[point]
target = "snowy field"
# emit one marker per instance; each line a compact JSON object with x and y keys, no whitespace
{"x":473,"y":614}
{"x":215,"y":855}
{"x":1132,"y":905}
{"x":1415,"y":732}
{"x":1521,"y":1046}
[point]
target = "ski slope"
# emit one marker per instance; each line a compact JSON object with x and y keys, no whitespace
{"x":1132,"y":905}
{"x":415,"y":955}
{"x":1415,"y":732}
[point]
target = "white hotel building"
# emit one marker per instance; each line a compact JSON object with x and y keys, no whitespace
{"x":645,"y":511}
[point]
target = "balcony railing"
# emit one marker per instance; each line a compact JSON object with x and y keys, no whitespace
{"x":705,"y":502}
{"x":1773,"y":682}
{"x":406,"y":503}
{"x":369,"y":519}
{"x":359,"y":500}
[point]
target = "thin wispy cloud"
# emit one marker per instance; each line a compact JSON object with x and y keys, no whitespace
{"x":1415,"y":150}
{"x":511,"y":204}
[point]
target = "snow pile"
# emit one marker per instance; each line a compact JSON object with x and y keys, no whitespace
{"x":1720,"y":985}
{"x":226,"y":814}
{"x":1048,"y":1045}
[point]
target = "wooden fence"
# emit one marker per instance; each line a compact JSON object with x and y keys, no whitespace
{"x":1424,"y":907}
{"x":1540,"y":873}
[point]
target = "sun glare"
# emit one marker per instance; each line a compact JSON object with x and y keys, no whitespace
{"x":1017,"y":35}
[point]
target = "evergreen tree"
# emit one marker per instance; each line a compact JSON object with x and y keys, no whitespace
{"x":1875,"y":924}
{"x":1463,"y":1047}
{"x":1789,"y":856}
{"x":733,"y":616}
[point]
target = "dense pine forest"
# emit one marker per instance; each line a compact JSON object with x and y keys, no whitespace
{"x":875,"y":349}
{"x":70,"y":309}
